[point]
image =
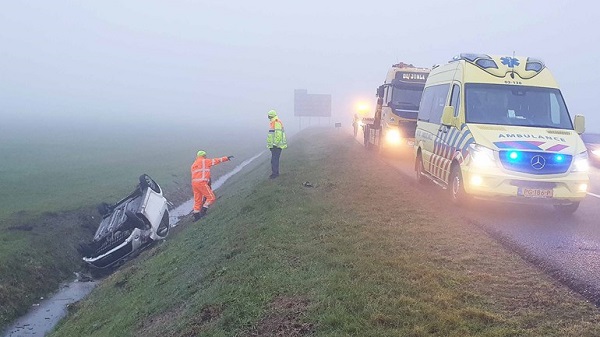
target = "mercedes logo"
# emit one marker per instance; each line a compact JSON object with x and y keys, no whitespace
{"x":538,"y":162}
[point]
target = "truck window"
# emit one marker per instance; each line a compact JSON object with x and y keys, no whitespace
{"x":407,"y":97}
{"x":387,"y":97}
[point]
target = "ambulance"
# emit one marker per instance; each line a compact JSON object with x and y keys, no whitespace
{"x":497,"y":127}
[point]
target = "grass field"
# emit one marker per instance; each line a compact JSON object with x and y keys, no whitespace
{"x":363,"y":252}
{"x":62,"y":168}
{"x":53,"y":177}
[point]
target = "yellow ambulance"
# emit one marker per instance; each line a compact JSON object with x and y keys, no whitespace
{"x":497,"y":127}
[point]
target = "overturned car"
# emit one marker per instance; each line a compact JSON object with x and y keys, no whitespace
{"x":128,"y":226}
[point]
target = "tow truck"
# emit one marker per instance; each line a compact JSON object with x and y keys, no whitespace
{"x":395,"y":120}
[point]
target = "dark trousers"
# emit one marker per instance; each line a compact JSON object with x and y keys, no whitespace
{"x":275,"y":154}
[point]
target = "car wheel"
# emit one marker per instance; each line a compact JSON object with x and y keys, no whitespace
{"x":419,"y":169}
{"x":567,"y":209}
{"x":146,"y":181}
{"x":164,"y":226}
{"x":457,"y":189}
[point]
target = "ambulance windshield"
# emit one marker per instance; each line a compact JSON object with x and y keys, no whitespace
{"x":500,"y":104}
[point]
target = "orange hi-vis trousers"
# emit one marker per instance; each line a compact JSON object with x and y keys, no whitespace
{"x":201,"y":191}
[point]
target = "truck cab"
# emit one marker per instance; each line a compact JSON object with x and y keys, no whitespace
{"x":398,"y":100}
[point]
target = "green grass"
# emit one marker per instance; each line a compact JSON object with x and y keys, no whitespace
{"x":52,"y":179}
{"x":56,"y":170}
{"x":363,"y":253}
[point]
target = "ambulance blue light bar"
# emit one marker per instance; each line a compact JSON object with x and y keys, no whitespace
{"x":481,"y":60}
{"x":534,"y":65}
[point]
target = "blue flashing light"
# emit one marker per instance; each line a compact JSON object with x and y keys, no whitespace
{"x":559,"y":158}
{"x":485,"y":64}
{"x":514,"y":155}
{"x":534,"y":65}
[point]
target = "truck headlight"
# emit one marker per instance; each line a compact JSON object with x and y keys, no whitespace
{"x":580,"y":163}
{"x":482,"y":156}
{"x":392,"y":136}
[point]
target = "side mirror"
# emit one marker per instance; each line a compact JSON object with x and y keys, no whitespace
{"x":579,"y":124}
{"x":448,"y":115}
{"x":380,"y":91}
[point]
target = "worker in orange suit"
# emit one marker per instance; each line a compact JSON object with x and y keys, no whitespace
{"x":203,"y":194}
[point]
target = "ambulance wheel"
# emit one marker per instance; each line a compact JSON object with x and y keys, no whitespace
{"x":567,"y":209}
{"x":419,"y":169}
{"x":456,"y":186}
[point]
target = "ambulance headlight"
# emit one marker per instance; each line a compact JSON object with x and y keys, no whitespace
{"x":580,"y":163}
{"x":482,"y":156}
{"x":393,"y":137}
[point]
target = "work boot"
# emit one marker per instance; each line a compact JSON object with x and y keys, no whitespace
{"x":203,"y":211}
{"x":197,"y":216}
{"x":273,"y":176}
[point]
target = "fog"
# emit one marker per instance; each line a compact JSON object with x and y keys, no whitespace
{"x":224,"y":64}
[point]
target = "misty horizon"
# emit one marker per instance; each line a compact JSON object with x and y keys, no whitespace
{"x":204,"y":62}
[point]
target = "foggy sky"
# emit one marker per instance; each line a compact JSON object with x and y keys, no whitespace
{"x":228,"y":62}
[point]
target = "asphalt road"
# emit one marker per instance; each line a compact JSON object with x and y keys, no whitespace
{"x":566,"y":247}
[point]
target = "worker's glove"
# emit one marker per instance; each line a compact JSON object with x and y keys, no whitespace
{"x":229,"y":157}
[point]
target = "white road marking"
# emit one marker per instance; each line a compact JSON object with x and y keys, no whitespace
{"x":594,"y":195}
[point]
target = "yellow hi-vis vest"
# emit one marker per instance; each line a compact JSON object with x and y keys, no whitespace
{"x":276,"y":135}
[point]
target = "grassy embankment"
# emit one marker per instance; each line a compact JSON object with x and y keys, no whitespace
{"x":53,"y":178}
{"x":365,"y":252}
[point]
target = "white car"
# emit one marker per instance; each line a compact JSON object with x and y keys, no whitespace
{"x":128,"y":226}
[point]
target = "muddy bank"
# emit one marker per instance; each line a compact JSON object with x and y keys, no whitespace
{"x":46,"y":313}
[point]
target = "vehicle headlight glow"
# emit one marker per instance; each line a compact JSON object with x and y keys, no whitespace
{"x":580,"y":163}
{"x":392,"y":136}
{"x":583,"y":188}
{"x":476,"y":180}
{"x":484,"y":157}
{"x":596,"y":152}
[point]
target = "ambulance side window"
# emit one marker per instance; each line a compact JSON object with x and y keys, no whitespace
{"x":455,"y":100}
{"x":439,"y":101}
{"x":432,"y":103}
{"x":425,"y":106}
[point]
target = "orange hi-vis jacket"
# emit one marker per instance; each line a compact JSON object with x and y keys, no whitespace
{"x":201,"y":168}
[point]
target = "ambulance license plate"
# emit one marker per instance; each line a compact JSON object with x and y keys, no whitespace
{"x":535,"y":192}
